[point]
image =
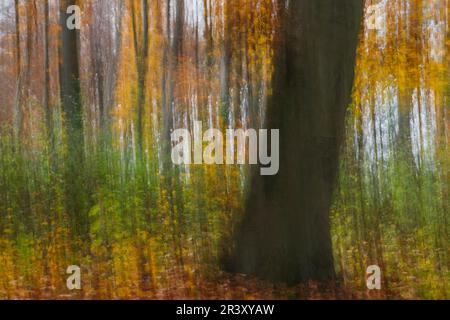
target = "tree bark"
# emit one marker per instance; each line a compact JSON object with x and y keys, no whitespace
{"x":285,"y":233}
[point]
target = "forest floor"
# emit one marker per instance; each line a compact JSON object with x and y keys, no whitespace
{"x":226,"y":287}
{"x":243,"y":287}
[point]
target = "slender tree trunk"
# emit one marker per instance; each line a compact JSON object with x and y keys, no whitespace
{"x":31,"y":14}
{"x":225,"y":64}
{"x":48,"y":109}
{"x":208,"y":33}
{"x":71,"y":103}
{"x":285,"y":233}
{"x":171,"y":58}
{"x":18,"y":101}
{"x":141,"y":52}
{"x":115,"y":63}
{"x":141,"y":46}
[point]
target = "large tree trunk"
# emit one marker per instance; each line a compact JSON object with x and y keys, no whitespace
{"x":285,"y":234}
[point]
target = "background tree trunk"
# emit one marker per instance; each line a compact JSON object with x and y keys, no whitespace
{"x":225,"y":64}
{"x":18,"y":114}
{"x":46,"y":100}
{"x":285,"y":233}
{"x":141,"y":49}
{"x":73,"y":118}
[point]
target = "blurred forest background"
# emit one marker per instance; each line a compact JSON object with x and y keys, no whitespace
{"x":94,"y":185}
